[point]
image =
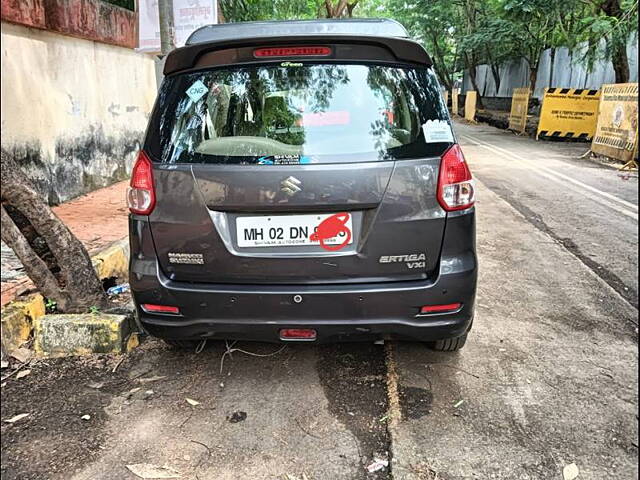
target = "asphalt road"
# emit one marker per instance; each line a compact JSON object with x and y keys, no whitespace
{"x":591,"y":209}
{"x":548,"y":377}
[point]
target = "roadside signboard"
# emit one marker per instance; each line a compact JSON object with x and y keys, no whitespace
{"x":617,"y":130}
{"x":454,"y":101}
{"x":519,"y":109}
{"x":188,"y":15}
{"x":568,"y":113}
{"x":470,"y":105}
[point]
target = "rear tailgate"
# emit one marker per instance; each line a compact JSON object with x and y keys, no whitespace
{"x":397,"y":227}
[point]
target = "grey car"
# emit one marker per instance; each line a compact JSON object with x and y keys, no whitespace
{"x":301,"y":181}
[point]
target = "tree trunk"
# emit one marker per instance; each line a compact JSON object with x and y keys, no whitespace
{"x":341,"y":8}
{"x":533,"y":76}
{"x":552,"y":61}
{"x":67,"y":276}
{"x":495,"y":71}
{"x":440,"y":63}
{"x":620,"y":63}
{"x":469,"y":7}
{"x":619,"y":56}
{"x":471,"y":68}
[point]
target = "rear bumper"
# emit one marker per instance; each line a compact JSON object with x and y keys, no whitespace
{"x":347,"y":312}
{"x":341,"y":312}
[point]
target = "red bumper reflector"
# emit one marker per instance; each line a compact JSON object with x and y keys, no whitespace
{"x":148,"y":307}
{"x":298,"y":334}
{"x":450,"y":307}
{"x":310,"y":51}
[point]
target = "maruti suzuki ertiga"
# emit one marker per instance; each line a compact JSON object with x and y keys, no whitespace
{"x":300,"y":181}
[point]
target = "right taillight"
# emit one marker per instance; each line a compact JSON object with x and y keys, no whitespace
{"x":456,"y":190}
{"x":141,"y":197}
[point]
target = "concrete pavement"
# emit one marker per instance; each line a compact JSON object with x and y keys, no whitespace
{"x":547,"y":378}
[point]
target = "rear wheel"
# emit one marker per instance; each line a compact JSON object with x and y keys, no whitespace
{"x":450,"y":344}
{"x":186,"y":345}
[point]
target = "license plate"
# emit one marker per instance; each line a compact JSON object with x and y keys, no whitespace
{"x":287,"y":231}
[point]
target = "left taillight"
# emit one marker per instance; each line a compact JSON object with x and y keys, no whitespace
{"x":141,"y":196}
{"x":456,"y":190}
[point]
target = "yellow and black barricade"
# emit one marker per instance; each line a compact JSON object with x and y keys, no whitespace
{"x":617,"y":130}
{"x":470,"y":105}
{"x":454,"y":101}
{"x":568,"y":113}
{"x":519,"y":109}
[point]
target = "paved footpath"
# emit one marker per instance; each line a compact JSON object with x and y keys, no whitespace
{"x":98,"y":219}
{"x":548,"y":376}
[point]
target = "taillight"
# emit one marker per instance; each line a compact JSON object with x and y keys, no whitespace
{"x":455,"y":185}
{"x":448,"y":308}
{"x":297,"y":334}
{"x":151,"y":308}
{"x":141,"y":197}
{"x":306,"y":51}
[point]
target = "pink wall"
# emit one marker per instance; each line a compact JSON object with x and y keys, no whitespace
{"x":88,"y":19}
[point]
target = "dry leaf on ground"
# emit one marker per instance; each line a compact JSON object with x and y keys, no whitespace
{"x":14,"y":419}
{"x":146,"y":470}
{"x":22,"y":354}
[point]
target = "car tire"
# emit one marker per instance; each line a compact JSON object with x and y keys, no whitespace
{"x":450,"y":344}
{"x":185,"y":345}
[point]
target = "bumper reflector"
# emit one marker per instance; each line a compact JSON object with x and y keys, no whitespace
{"x":450,"y":307}
{"x":150,"y":308}
{"x":297,"y":334}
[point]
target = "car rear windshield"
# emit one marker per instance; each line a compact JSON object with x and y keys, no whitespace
{"x":292,"y":113}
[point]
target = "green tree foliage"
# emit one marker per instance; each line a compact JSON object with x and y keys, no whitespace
{"x":128,"y":4}
{"x":462,"y":34}
{"x":248,"y":10}
{"x":606,"y":26}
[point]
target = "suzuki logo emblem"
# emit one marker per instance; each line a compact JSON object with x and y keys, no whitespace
{"x":291,"y":186}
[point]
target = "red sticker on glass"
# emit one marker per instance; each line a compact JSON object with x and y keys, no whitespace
{"x":331,"y":227}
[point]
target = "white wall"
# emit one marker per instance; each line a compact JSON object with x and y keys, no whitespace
{"x":73,"y":111}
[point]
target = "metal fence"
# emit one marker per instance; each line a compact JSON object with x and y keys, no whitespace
{"x":558,"y":68}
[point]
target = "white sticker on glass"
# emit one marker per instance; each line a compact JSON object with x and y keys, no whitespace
{"x":437,"y":131}
{"x":197,"y":90}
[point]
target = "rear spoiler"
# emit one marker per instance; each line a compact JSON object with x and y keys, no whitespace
{"x":240,"y":50}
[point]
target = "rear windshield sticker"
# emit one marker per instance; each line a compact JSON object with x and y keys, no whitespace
{"x":197,"y":91}
{"x":437,"y":131}
{"x":284,"y":160}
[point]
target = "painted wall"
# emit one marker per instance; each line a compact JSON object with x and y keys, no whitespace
{"x":89,"y":19}
{"x":73,"y":111}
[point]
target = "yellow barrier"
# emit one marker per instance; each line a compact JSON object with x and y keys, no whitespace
{"x":568,"y":113}
{"x":470,"y":105}
{"x":519,"y":109}
{"x":454,"y":101}
{"x":617,"y":130}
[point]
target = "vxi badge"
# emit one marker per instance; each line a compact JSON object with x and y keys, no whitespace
{"x":413,"y":260}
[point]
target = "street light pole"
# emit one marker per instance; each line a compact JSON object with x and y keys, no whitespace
{"x":165,"y":11}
